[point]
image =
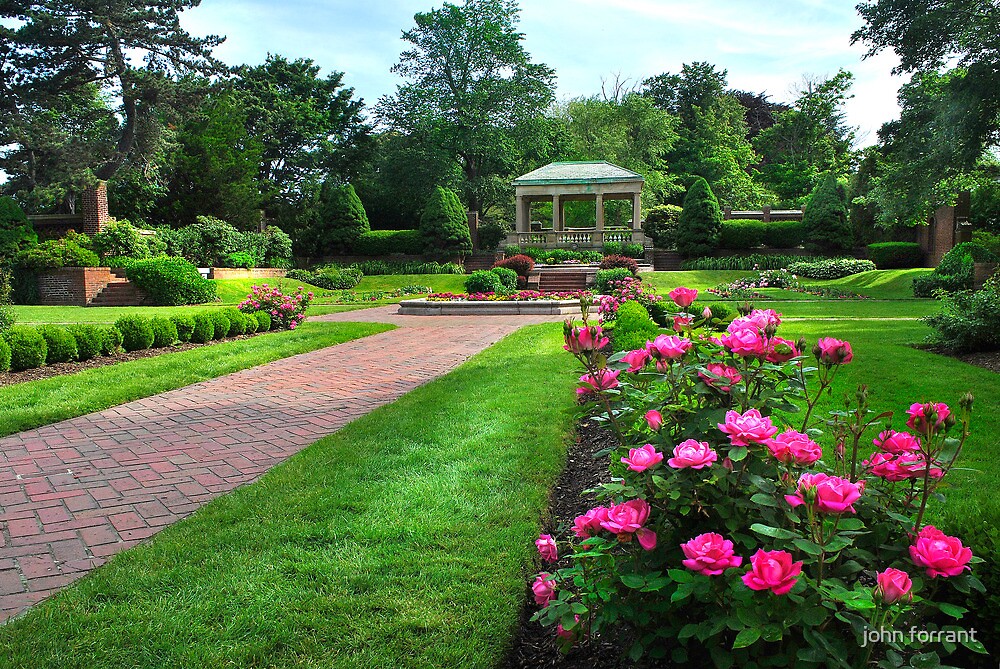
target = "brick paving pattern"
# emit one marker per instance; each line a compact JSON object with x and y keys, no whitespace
{"x":75,"y":493}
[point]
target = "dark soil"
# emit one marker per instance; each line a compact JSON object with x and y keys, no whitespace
{"x":989,"y":360}
{"x":61,"y":368}
{"x":534,"y":644}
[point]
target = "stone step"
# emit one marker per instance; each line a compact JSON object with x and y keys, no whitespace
{"x":119,"y":293}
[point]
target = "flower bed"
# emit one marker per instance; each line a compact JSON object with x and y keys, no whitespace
{"x":747,"y":287}
{"x":727,"y":535}
{"x":519,"y":296}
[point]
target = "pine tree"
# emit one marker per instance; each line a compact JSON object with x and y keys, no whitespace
{"x":825,"y":218}
{"x":700,"y":222}
{"x":342,"y":219}
{"x":16,"y":232}
{"x":445,"y":225}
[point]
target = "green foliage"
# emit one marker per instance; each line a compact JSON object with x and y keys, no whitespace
{"x":4,"y":355}
{"x":783,"y":234}
{"x":739,"y":234}
{"x":444,"y":225}
{"x":204,"y":328}
{"x":263,"y":321}
{"x":968,"y":321}
{"x":342,"y":220}
{"x":252,"y":323}
{"x":614,"y":261}
{"x":612,"y":249}
{"x":634,"y":250}
{"x":28,"y":348}
{"x":60,"y":345}
{"x":170,"y":281}
{"x":491,"y":235}
{"x":120,"y":239}
{"x":988,"y":239}
{"x":240,"y":259}
{"x":111,"y":341}
{"x":137,"y":332}
{"x":825,"y":218}
{"x":220,"y":324}
{"x":754,"y":261}
{"x":831,"y":268}
{"x":69,"y":251}
{"x":555,"y":256}
{"x":211,"y":242}
{"x":237,"y":321}
{"x":385,"y":242}
{"x":700,"y":221}
{"x":661,"y":225}
{"x":164,"y":332}
{"x":633,"y":327}
{"x":605,"y":277}
{"x":16,"y":233}
{"x":330,"y":277}
{"x":382,"y":267}
{"x":508,"y":278}
{"x":955,"y":271}
{"x":7,"y":314}
{"x":522,"y":264}
{"x":208,"y":241}
{"x":896,"y":255}
{"x":483,"y":281}
{"x":277,"y":248}
{"x":185,"y":327}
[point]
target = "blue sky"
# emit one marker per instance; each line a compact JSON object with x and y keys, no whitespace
{"x":766,"y":45}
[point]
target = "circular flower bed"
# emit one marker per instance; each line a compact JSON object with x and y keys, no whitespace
{"x":519,"y":296}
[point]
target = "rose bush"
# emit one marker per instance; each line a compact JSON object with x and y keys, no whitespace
{"x":727,"y":534}
{"x":285,"y":310}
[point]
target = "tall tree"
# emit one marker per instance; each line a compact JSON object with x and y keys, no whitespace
{"x":473,"y":92}
{"x":128,"y":50}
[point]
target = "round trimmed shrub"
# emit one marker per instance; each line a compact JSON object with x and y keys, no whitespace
{"x":252,"y":323}
{"x":27,"y":348}
{"x":633,"y":327}
{"x":611,"y":262}
{"x":60,"y":345}
{"x":111,"y":341}
{"x":605,"y":277}
{"x":483,"y":281}
{"x":237,"y":321}
{"x":184,"y":325}
{"x":220,"y":324}
{"x":203,"y":330}
{"x":164,"y":332}
{"x":508,"y":278}
{"x":4,"y":356}
{"x":137,"y":332}
{"x":89,"y":341}
{"x":263,"y":321}
{"x":522,"y":264}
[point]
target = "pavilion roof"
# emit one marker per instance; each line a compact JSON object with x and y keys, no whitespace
{"x":590,"y":171}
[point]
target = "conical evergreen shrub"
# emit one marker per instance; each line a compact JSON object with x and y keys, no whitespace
{"x":700,"y":222}
{"x":828,"y":229}
{"x":445,"y":225}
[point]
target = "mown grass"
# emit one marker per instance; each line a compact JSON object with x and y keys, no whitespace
{"x":403,"y":540}
{"x":891,"y":284}
{"x":36,"y":403}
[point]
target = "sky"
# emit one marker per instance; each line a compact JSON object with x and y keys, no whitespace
{"x":766,"y":45}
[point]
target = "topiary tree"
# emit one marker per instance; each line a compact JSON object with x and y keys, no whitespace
{"x":445,"y":225}
{"x":341,"y":221}
{"x":700,"y":222}
{"x":661,"y":225}
{"x":825,"y":218}
{"x":16,"y":232}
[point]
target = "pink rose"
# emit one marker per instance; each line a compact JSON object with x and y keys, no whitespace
{"x":683,"y":297}
{"x":544,"y":589}
{"x":750,"y":427}
{"x":629,"y":518}
{"x":893,"y":585}
{"x":566,"y":634}
{"x":654,"y":419}
{"x":636,"y":360}
{"x":719,"y":376}
{"x":669,"y":347}
{"x":758,"y":319}
{"x":547,"y":548}
{"x":920,"y":415}
{"x":891,"y":441}
{"x":746,"y":343}
{"x":706,"y":313}
{"x":940,"y":554}
{"x":780,"y":350}
{"x":641,"y":459}
{"x":605,"y":379}
{"x":832,"y":494}
{"x":692,"y":454}
{"x":710,"y":554}
{"x":895,"y":467}
{"x":681,"y":322}
{"x":832,"y":351}
{"x":793,"y":447}
{"x":583,"y":339}
{"x":772,"y":570}
{"x":589,"y":524}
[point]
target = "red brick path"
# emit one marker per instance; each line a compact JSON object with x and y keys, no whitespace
{"x":75,"y":493}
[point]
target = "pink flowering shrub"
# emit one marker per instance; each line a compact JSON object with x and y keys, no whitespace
{"x":728,"y":536}
{"x":621,"y":292}
{"x":288,"y":311}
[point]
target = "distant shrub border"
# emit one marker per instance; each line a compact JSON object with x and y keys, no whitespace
{"x":519,"y":296}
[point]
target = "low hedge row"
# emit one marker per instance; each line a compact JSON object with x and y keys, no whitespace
{"x":384,"y":242}
{"x":329,"y":277}
{"x":26,"y":347}
{"x":896,"y":255}
{"x":170,"y":281}
{"x":741,"y":233}
{"x":754,"y":261}
{"x":834,"y":268}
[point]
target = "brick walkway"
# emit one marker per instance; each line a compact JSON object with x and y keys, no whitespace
{"x":75,"y":493}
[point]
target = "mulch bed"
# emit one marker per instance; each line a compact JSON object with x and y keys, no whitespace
{"x":989,"y":360}
{"x":533,"y":645}
{"x":61,"y":368}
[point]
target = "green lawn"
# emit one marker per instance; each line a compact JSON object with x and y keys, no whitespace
{"x":35,"y":403}
{"x":403,"y":540}
{"x":892,"y":284}
{"x":664,"y":282}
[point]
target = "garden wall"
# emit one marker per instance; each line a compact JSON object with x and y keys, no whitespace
{"x":72,"y":286}
{"x":238,"y":273}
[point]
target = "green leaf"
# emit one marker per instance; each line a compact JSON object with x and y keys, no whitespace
{"x":738,"y":453}
{"x":774,"y":532}
{"x":680,"y":575}
{"x":807,"y":546}
{"x":850,"y":524}
{"x":815,"y":615}
{"x":925,"y":661}
{"x":762,"y":499}
{"x":952,"y":610}
{"x":634,"y":581}
{"x":746,"y":637}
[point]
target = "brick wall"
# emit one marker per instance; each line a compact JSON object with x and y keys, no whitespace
{"x":73,"y":286}
{"x":94,"y":206}
{"x":235,"y":273}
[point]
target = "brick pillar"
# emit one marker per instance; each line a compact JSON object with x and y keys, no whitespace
{"x":94,"y":205}
{"x":473,"y":218}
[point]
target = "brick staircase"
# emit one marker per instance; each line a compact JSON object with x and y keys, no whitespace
{"x":120,"y":292}
{"x":562,"y":281}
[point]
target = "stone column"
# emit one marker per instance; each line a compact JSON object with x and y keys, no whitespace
{"x":522,"y":222}
{"x":637,"y":211}
{"x":600,"y":212}
{"x":557,"y":223}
